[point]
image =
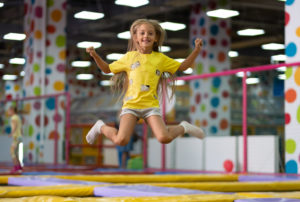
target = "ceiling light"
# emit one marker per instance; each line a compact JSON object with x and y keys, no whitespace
{"x":88,"y":15}
{"x":124,"y":35}
{"x":278,"y":57}
{"x":252,"y":80}
{"x":233,"y":54}
{"x":281,"y":69}
{"x":9,"y":77}
{"x":282,"y":76}
{"x":14,"y":36}
{"x":18,"y":61}
{"x":132,"y":3}
{"x":180,"y":60}
{"x":250,"y":32}
{"x":81,"y":64}
{"x":22,"y":73}
{"x":272,"y":46}
{"x":1,"y":4}
{"x":107,"y":74}
{"x":179,"y":82}
{"x":165,"y":48}
{"x":222,"y":13}
{"x":1,"y":66}
{"x":114,"y":56}
{"x":173,"y":26}
{"x":106,"y":83}
{"x":241,"y":74}
{"x":84,"y":76}
{"x":188,"y":71}
{"x":87,"y":44}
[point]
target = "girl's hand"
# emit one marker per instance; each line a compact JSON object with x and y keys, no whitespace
{"x":198,"y":44}
{"x":91,"y":51}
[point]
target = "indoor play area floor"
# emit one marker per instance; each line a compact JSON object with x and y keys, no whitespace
{"x":79,"y":183}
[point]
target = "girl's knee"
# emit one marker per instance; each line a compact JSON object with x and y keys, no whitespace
{"x":164,"y":139}
{"x":121,"y":141}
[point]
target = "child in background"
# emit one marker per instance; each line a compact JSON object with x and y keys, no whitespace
{"x":138,"y":74}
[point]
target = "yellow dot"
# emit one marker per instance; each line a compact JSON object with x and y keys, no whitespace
{"x":62,"y":54}
{"x":38,"y":34}
{"x":198,"y":122}
{"x":27,"y":108}
{"x":297,"y":76}
{"x":59,"y":85}
{"x":31,"y":145}
{"x":298,"y":31}
{"x":225,"y":108}
{"x":17,"y":88}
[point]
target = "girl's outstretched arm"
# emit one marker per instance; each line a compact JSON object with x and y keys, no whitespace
{"x":191,"y":58}
{"x":99,"y":61}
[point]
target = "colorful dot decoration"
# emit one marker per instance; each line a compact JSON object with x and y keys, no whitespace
{"x":210,"y":97}
{"x":292,"y":87}
{"x":44,"y":73}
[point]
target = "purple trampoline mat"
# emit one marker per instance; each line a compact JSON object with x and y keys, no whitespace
{"x":144,"y":190}
{"x":40,"y":181}
{"x":269,"y":178}
{"x":268,"y":200}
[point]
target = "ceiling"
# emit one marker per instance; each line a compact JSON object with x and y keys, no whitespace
{"x":266,"y":14}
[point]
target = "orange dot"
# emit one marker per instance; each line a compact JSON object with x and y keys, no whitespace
{"x":56,"y":15}
{"x":38,"y":34}
{"x":62,"y":54}
{"x":221,"y":57}
{"x":298,"y":31}
{"x":297,"y":76}
{"x":53,"y":134}
{"x":204,"y":123}
{"x":223,"y":124}
{"x":51,"y":29}
{"x":198,"y":123}
{"x":290,"y":95}
{"x":62,"y":104}
{"x":193,"y":109}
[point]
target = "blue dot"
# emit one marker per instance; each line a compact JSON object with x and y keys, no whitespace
{"x":193,"y":42}
{"x":213,"y":129}
{"x":291,"y":167}
{"x":30,"y":41}
{"x":216,"y":82}
{"x":32,"y":2}
{"x":24,"y":93}
{"x":7,"y":130}
{"x":196,"y":84}
{"x":215,"y":101}
{"x":48,"y":71}
{"x":67,"y":87}
{"x":7,"y":87}
{"x":202,"y":22}
{"x":38,"y":137}
{"x":211,"y":56}
{"x":291,"y":49}
{"x":289,"y":2}
{"x":50,"y":103}
{"x":214,"y":29}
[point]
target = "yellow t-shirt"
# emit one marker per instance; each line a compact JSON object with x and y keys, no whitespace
{"x":144,"y":72}
{"x":18,"y":131}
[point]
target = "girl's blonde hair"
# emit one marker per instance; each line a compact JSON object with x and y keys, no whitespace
{"x":120,"y":80}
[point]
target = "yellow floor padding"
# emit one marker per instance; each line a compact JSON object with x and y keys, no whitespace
{"x":4,"y":179}
{"x":152,"y":178}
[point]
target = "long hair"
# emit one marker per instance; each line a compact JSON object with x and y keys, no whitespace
{"x":120,"y":80}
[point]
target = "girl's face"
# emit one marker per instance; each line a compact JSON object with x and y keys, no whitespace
{"x":145,"y":37}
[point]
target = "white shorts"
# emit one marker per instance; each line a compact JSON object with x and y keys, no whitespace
{"x":141,"y":113}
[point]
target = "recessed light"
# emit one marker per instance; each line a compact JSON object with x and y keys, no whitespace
{"x":18,"y":61}
{"x":124,"y":35}
{"x":272,"y":46}
{"x":1,"y":66}
{"x":282,"y":76}
{"x":179,"y":82}
{"x":87,"y":44}
{"x":172,"y":26}
{"x":188,"y":71}
{"x":132,"y":3}
{"x":222,"y":13}
{"x":279,"y":57}
{"x":81,"y":63}
{"x":22,"y":73}
{"x":106,"y":83}
{"x":180,"y":60}
{"x":88,"y":15}
{"x":1,"y":4}
{"x":165,"y":49}
{"x":114,"y":56}
{"x":233,"y":54}
{"x":250,"y":32}
{"x":281,"y":69}
{"x":9,"y":77}
{"x":84,"y":76}
{"x":241,"y":74}
{"x":252,"y":80}
{"x":14,"y":36}
{"x":107,"y":74}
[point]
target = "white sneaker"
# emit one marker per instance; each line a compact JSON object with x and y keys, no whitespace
{"x":192,"y":130}
{"x":94,"y":132}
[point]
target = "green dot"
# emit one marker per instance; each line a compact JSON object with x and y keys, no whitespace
{"x":290,"y":146}
{"x":203,"y":107}
{"x":36,"y":67}
{"x":200,"y":68}
{"x":212,"y":69}
{"x":50,"y":3}
{"x":30,"y":130}
{"x":37,"y":91}
{"x":6,"y":122}
{"x":288,"y":72}
{"x":49,"y":60}
{"x":60,"y":41}
{"x":37,"y":150}
{"x":214,"y":90}
{"x":298,"y":114}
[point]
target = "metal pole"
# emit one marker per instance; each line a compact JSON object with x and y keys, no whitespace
{"x":245,"y":122}
{"x":145,"y":139}
{"x":163,"y":146}
{"x":56,"y":132}
{"x":67,"y":143}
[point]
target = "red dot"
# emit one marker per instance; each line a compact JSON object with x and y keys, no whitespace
{"x":198,"y":98}
{"x":48,"y":42}
{"x":203,"y":31}
{"x":213,"y":114}
{"x":287,"y":18}
{"x":212,"y":42}
{"x":192,"y":21}
{"x":194,"y":32}
{"x":225,"y":94}
{"x":38,"y":120}
{"x":204,"y":53}
{"x":287,"y":118}
{"x":197,"y":8}
{"x":51,"y":29}
{"x":223,"y":24}
{"x":193,"y":109}
{"x":32,"y":26}
{"x":228,"y":165}
{"x":223,"y":124}
{"x":204,"y":123}
{"x":224,"y":43}
{"x":9,"y":97}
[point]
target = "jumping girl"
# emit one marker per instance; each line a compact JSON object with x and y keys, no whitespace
{"x":138,"y":74}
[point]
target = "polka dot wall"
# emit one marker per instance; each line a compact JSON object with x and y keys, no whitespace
{"x":292,"y":87}
{"x":209,"y":103}
{"x":45,"y":53}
